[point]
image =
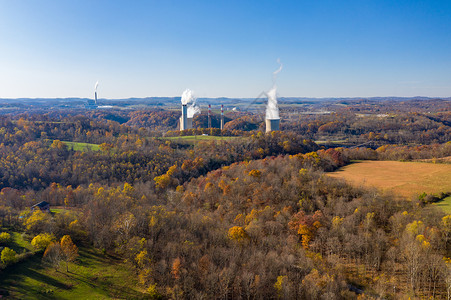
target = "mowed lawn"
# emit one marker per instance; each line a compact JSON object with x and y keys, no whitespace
{"x":196,"y":138}
{"x":407,"y":179}
{"x":76,"y":146}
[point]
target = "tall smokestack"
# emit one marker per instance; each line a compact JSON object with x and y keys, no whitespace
{"x":95,"y":91}
{"x":184,"y":118}
{"x":209,"y":116}
{"x":222,"y":116}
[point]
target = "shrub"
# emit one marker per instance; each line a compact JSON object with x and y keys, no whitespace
{"x":5,"y":237}
{"x":8,"y":256}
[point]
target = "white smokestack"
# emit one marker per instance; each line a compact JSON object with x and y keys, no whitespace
{"x":184,"y":118}
{"x":222,"y":117}
{"x":95,"y":91}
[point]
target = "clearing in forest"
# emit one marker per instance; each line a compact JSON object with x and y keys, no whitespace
{"x":94,"y":276}
{"x":408,"y":179}
{"x":197,"y":138}
{"x":77,"y":146}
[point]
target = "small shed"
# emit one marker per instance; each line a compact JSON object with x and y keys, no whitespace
{"x":43,"y":206}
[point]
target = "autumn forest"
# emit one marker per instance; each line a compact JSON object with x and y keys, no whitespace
{"x":236,"y":213}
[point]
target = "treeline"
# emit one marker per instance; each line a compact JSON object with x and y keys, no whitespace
{"x":433,"y":152}
{"x":393,"y":128}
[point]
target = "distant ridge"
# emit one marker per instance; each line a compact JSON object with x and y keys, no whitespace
{"x":217,"y":99}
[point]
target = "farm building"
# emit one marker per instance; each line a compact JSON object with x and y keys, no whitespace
{"x":43,"y":206}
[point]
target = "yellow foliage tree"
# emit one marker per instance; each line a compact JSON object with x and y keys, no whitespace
{"x":69,"y":250}
{"x":42,"y":241}
{"x":237,"y":233}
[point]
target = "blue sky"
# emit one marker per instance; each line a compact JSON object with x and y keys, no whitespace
{"x":359,"y":48}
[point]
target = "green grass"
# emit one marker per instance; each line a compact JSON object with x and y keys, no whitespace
{"x":445,"y":205}
{"x":195,"y":138}
{"x":93,"y":276}
{"x":19,"y":242}
{"x":82,"y":146}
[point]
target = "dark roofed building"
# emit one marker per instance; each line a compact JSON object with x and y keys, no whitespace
{"x":43,"y":206}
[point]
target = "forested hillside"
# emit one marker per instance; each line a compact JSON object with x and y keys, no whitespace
{"x":254,"y":216}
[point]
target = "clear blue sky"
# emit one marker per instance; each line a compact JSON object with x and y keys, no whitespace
{"x":60,"y":48}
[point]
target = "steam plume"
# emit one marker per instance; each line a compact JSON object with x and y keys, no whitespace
{"x":276,"y":72}
{"x":192,"y":110}
{"x":96,"y":85}
{"x":187,"y":98}
{"x":272,"y":109}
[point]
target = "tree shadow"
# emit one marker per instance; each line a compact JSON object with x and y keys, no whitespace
{"x":111,"y":288}
{"x":11,"y":278}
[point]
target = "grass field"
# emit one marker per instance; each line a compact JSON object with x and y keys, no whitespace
{"x":407,"y":179}
{"x":94,"y":276}
{"x":82,"y":146}
{"x":445,"y":205}
{"x":195,"y":138}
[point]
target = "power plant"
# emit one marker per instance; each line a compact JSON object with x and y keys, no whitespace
{"x":272,"y":119}
{"x":188,"y":112}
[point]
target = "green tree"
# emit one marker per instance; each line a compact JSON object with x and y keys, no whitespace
{"x":42,"y":241}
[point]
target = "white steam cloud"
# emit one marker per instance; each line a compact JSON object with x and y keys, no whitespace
{"x":189,"y":98}
{"x":96,"y":85}
{"x":274,"y":74}
{"x":272,"y":109}
{"x":192,"y":110}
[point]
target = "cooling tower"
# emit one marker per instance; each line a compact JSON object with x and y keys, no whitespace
{"x":184,"y":118}
{"x":272,"y":125}
{"x":189,"y":123}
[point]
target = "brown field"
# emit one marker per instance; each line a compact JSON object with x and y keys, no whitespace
{"x":407,"y":179}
